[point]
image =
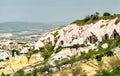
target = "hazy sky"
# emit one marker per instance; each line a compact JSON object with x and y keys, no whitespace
{"x":53,"y":10}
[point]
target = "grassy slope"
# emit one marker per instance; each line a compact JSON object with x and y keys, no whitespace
{"x":91,"y":20}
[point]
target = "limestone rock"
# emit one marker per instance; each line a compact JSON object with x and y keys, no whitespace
{"x":105,"y":45}
{"x":35,"y":58}
{"x":10,"y":45}
{"x":4,"y":54}
{"x":38,"y":45}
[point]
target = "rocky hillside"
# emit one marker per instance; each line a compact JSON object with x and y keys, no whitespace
{"x":88,"y":47}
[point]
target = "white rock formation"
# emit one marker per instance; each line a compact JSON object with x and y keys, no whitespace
{"x":38,"y":45}
{"x":103,"y":29}
{"x":4,"y":54}
{"x":89,"y":35}
{"x":105,"y":45}
{"x":117,"y":50}
{"x":9,"y":45}
{"x":35,"y":58}
{"x":24,"y":50}
{"x":64,"y":53}
{"x":49,"y":38}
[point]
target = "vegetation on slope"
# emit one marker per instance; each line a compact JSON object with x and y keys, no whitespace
{"x":97,"y":54}
{"x":92,"y":54}
{"x":94,"y":18}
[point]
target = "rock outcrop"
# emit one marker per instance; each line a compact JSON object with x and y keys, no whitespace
{"x":9,"y":45}
{"x":88,"y":34}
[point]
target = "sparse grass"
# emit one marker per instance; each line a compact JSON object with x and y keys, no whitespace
{"x":115,"y":72}
{"x":78,"y":22}
{"x":20,"y":73}
{"x":76,"y":71}
{"x":63,"y":74}
{"x":104,"y":73}
{"x":94,"y":18}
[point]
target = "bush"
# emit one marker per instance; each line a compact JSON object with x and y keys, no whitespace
{"x":55,"y":34}
{"x":29,"y":74}
{"x":20,"y":73}
{"x":117,"y":21}
{"x":46,"y":68}
{"x":15,"y":52}
{"x":1,"y":60}
{"x":65,"y":61}
{"x":99,"y":57}
{"x":109,"y":53}
{"x":87,"y":18}
{"x":116,"y":71}
{"x":104,"y":73}
{"x":73,"y":59}
{"x":106,"y":14}
{"x":79,"y":22}
{"x":47,"y":51}
{"x":76,"y":71}
{"x":58,"y":49}
{"x":3,"y":74}
{"x":31,"y":51}
{"x":57,"y":63}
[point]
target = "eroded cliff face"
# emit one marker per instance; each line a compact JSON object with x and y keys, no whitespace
{"x":89,"y":33}
{"x":86,"y":37}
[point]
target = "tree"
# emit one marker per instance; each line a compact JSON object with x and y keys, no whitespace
{"x":95,"y":16}
{"x":106,"y":14}
{"x":97,"y":13}
{"x":87,"y":18}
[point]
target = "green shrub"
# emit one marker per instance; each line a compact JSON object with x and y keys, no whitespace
{"x":20,"y":73}
{"x":30,"y":52}
{"x":15,"y":52}
{"x":76,"y":71}
{"x":47,"y":51}
{"x":73,"y":59}
{"x":87,"y":18}
{"x":55,"y":34}
{"x":116,"y":71}
{"x":57,"y":63}
{"x":78,"y":22}
{"x":99,"y":57}
{"x":58,"y":49}
{"x":65,"y":61}
{"x":3,"y":74}
{"x":1,"y":60}
{"x":106,"y":14}
{"x":109,"y":53}
{"x":46,"y":68}
{"x":117,"y":21}
{"x":104,"y":73}
{"x":29,"y":74}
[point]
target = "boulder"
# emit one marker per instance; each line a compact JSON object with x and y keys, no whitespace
{"x":105,"y":45}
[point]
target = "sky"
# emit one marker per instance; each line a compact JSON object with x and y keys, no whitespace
{"x":48,"y":11}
